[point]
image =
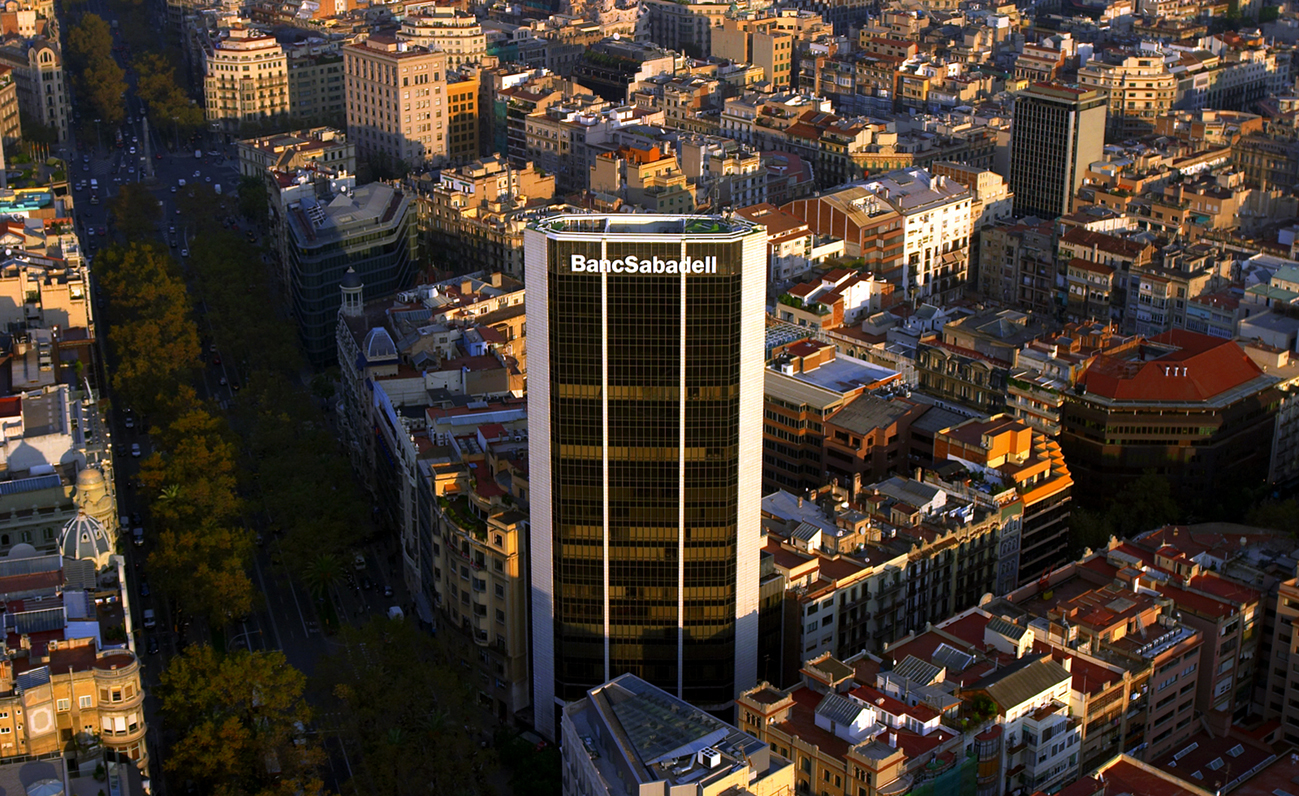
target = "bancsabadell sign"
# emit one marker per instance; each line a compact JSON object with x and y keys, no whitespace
{"x":631,"y":264}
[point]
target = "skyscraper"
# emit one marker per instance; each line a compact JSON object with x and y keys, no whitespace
{"x":1058,"y":131}
{"x":645,"y":360}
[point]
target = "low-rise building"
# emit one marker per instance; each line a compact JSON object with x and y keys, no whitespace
{"x":627,"y":737}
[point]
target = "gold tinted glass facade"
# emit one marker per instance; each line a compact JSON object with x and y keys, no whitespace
{"x":640,"y":363}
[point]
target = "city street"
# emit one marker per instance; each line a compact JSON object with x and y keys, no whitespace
{"x":288,"y":618}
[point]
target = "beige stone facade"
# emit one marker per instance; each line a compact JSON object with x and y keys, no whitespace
{"x":246,"y":79}
{"x":396,"y":100}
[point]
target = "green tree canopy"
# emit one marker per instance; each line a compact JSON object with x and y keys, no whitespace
{"x":235,"y":712}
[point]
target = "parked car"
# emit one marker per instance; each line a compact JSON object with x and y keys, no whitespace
{"x":135,"y":450}
{"x":150,"y":619}
{"x":153,"y":645}
{"x":144,"y":588}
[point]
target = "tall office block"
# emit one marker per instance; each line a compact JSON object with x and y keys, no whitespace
{"x":1058,"y":131}
{"x":645,"y":371}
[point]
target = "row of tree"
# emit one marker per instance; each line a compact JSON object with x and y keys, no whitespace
{"x":240,"y":715}
{"x":99,"y":81}
{"x":202,"y":547}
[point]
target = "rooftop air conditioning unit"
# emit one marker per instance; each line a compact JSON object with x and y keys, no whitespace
{"x":709,"y":757}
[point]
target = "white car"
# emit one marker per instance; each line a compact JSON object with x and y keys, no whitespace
{"x":135,"y":450}
{"x":130,"y":422}
{"x":198,"y":174}
{"x":181,"y":182}
{"x":173,"y":189}
{"x":184,"y":252}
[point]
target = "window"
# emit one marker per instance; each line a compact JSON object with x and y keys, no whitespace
{"x":63,"y":705}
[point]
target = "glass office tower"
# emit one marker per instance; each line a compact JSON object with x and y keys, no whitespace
{"x":645,"y":371}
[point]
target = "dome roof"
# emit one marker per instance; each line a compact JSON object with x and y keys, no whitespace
{"x":89,"y":477}
{"x":379,"y":345}
{"x":351,"y":279}
{"x":84,"y":538}
{"x":22,"y":550}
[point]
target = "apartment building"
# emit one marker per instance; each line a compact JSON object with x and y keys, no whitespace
{"x":683,"y":27}
{"x":396,"y":100}
{"x":795,"y":404}
{"x":647,"y":178}
{"x":845,"y":734}
{"x":791,"y":246}
{"x":10,"y":123}
{"x":1140,"y":89}
{"x":1008,"y":461}
{"x":1194,"y":405}
{"x":314,"y":146}
{"x":870,"y":228}
{"x":316,"y":87}
{"x":1283,"y":674}
{"x":447,"y":29}
{"x":40,"y":83}
{"x":462,"y":115}
{"x":1091,"y":610}
{"x":840,"y":297}
{"x":970,"y":361}
{"x":758,"y":42}
{"x":1017,"y":265}
{"x":476,"y":213}
{"x":245,"y":79}
{"x":723,"y":173}
{"x":936,"y":230}
{"x":1159,"y":291}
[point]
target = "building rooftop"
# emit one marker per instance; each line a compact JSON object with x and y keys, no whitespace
{"x":1182,"y":367}
{"x":651,"y":225}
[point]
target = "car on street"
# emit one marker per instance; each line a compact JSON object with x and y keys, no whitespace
{"x":367,"y":584}
{"x":387,"y":591}
{"x":153,"y":645}
{"x":144,"y":588}
{"x":130,"y":422}
{"x":173,"y":189}
{"x":135,"y":450}
{"x":234,"y":385}
{"x":216,"y":359}
{"x":184,"y":252}
{"x":222,"y":381}
{"x":198,"y":174}
{"x":150,"y":619}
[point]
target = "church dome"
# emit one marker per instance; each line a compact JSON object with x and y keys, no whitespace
{"x":379,"y":345}
{"x":351,"y":279}
{"x":84,"y":538}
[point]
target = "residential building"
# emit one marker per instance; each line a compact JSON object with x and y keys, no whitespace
{"x":476,"y":213}
{"x":1017,"y":265}
{"x":756,"y":41}
{"x":1191,"y":406}
{"x":1140,"y":90}
{"x":10,"y":123}
{"x":245,"y":80}
{"x":628,"y":737}
{"x":1283,"y":680}
{"x":971,"y":360}
{"x":841,"y":297}
{"x":316,"y":146}
{"x":316,"y":87}
{"x":790,"y":243}
{"x":588,"y":350}
{"x":40,"y":84}
{"x":683,"y":27}
{"x":645,"y":178}
{"x":1099,"y":268}
{"x":847,"y":734}
{"x":612,"y":66}
{"x":1008,"y":461}
{"x":936,"y":230}
{"x":462,"y":115}
{"x":871,"y":229}
{"x":1058,"y":132}
{"x":396,"y":95}
{"x":370,"y":230}
{"x":448,"y":29}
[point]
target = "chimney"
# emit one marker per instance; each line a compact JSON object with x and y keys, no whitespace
{"x":893,"y":740}
{"x":1067,"y":663}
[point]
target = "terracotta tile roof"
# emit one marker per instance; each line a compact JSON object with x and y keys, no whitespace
{"x":1099,"y":240}
{"x":1088,"y":265}
{"x":1201,"y":368}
